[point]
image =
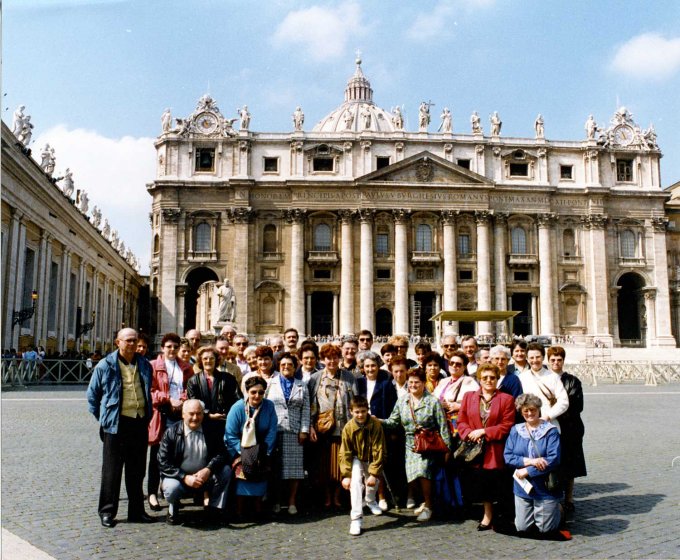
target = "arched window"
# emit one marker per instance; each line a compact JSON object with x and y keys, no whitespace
{"x":569,"y":243}
{"x":423,"y":238}
{"x":202,"y":235}
{"x":322,"y":237}
{"x":627,"y":244}
{"x":519,"y":241}
{"x":464,"y":247}
{"x":269,"y":239}
{"x":156,"y":243}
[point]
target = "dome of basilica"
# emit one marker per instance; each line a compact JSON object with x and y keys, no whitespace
{"x":358,"y":113}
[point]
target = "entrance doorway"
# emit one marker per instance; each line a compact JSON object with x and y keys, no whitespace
{"x":631,"y":310}
{"x":194,"y":280}
{"x":322,"y":313}
{"x":423,"y":310}
{"x":521,"y":324}
{"x":383,"y":322}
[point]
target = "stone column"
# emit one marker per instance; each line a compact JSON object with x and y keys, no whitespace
{"x":649,"y":304}
{"x":346,"y":274}
{"x":534,"y":314}
{"x":10,"y":279}
{"x":168,"y":271}
{"x":664,"y":335}
{"x":500,"y":269}
{"x":401,"y":299}
{"x":366,"y":295}
{"x":483,"y":267}
{"x":46,"y":303}
{"x":336,"y":319}
{"x":40,"y":284}
{"x":179,"y":300}
{"x":243,"y":279}
{"x":450,"y":293}
{"x":547,"y":293}
{"x":297,"y":269}
{"x":18,"y":285}
{"x":309,"y":315}
{"x":64,"y":303}
{"x":596,"y":275}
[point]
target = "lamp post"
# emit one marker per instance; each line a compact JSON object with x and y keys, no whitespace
{"x":19,"y":317}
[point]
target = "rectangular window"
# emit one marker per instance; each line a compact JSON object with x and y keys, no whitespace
{"x":72,"y":304}
{"x":464,"y":163}
{"x":464,"y":244}
{"x":271,"y":165}
{"x":322,"y":164}
{"x":383,"y":273}
{"x":205,"y":159}
{"x":382,"y":244}
{"x":29,"y":279}
{"x":521,"y":276}
{"x":624,"y":170}
{"x":519,"y":170}
{"x":424,"y":274}
{"x":54,"y":290}
{"x":322,"y":274}
{"x":465,"y":275}
{"x":382,"y":161}
{"x":566,"y":171}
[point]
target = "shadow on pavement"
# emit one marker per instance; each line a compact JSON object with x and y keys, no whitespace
{"x":589,"y":488}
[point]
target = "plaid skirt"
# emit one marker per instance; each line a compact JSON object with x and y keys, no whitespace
{"x":291,"y":456}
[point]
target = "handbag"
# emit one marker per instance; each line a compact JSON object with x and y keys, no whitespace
{"x":552,"y":482}
{"x":470,"y":451}
{"x":325,"y":421}
{"x":253,"y":464}
{"x":427,"y":440}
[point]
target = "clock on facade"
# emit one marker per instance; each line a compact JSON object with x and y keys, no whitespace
{"x":206,"y":123}
{"x":623,"y":135}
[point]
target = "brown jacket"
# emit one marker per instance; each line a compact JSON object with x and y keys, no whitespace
{"x":366,"y":443}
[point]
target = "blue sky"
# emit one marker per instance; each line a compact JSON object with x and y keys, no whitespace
{"x":95,"y":76}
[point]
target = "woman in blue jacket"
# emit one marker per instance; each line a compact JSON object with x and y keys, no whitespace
{"x":533,"y":449}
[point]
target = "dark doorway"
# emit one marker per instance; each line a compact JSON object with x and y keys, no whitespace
{"x":466,"y":328}
{"x":383,"y":322}
{"x":631,"y":309}
{"x":521,"y":324}
{"x":194,"y":280}
{"x":423,"y":310}
{"x":322,"y":313}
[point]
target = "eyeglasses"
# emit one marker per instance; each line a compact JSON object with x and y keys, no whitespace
{"x":286,"y":364}
{"x":456,"y":364}
{"x":488,"y":378}
{"x":130,"y":341}
{"x":171,"y":346}
{"x":241,"y":343}
{"x":256,"y":392}
{"x":364,"y":339}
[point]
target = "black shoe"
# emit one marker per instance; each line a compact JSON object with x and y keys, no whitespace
{"x":156,"y":506}
{"x":141,"y":518}
{"x":482,"y":527}
{"x":107,"y":520}
{"x":172,"y":519}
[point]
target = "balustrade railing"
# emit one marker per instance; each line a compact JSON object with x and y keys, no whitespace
{"x":16,"y":372}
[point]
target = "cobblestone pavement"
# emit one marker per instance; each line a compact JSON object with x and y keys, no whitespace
{"x":628,"y":506}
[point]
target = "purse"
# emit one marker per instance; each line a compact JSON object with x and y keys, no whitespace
{"x":325,"y":421}
{"x":427,"y":440}
{"x":470,"y":451}
{"x":253,"y":464}
{"x":552,"y":482}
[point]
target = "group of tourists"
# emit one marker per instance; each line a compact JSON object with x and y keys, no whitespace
{"x":244,"y":428}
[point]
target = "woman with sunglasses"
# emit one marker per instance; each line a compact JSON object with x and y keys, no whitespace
{"x":488,"y":415}
{"x":450,"y":391}
{"x":168,"y":392}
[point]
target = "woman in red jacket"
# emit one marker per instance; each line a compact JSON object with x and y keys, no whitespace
{"x":487,"y":414}
{"x":168,"y":392}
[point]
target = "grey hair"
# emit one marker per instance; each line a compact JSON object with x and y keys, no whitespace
{"x":192,"y":401}
{"x":528,"y":400}
{"x":369,"y":355}
{"x":498,"y":350}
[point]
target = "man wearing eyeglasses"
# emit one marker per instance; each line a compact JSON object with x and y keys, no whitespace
{"x":222,"y":346}
{"x":119,"y":397}
{"x":448,"y":346}
{"x":241,"y":343}
{"x":365,"y":340}
{"x":195,"y":338}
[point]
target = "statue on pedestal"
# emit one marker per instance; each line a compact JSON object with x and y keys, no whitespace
{"x":48,"y":161}
{"x":424,"y":116}
{"x":96,"y":216}
{"x":106,"y":229}
{"x":591,"y":128}
{"x":447,"y":123}
{"x":539,"y":126}
{"x":298,"y":119}
{"x":68,"y":183}
{"x":82,"y":201}
{"x":226,"y":302}
{"x":244,"y":116}
{"x":496,"y":124}
{"x":26,"y":131}
{"x":397,"y":118}
{"x":18,"y":120}
{"x":166,"y":121}
{"x":476,"y":123}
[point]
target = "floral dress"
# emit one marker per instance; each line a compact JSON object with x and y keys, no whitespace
{"x":429,"y":414}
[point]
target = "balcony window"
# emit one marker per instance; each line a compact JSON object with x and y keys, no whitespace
{"x":424,"y":238}
{"x":322,"y":237}
{"x":202,"y":234}
{"x":519,"y":241}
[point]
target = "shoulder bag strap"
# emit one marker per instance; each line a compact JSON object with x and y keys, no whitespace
{"x":410,"y":404}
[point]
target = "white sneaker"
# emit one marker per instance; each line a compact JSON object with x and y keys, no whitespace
{"x":419,"y":509}
{"x":374,"y":507}
{"x":355,"y":527}
{"x":382,"y":504}
{"x":410,"y":503}
{"x":425,"y":514}
{"x":292,"y":510}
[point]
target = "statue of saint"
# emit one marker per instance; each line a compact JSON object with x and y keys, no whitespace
{"x":298,"y":118}
{"x":106,"y":229}
{"x":397,"y":118}
{"x":226,"y":302}
{"x":366,"y":115}
{"x":68,"y":183}
{"x":96,"y":216}
{"x":476,"y":123}
{"x":447,"y":123}
{"x":424,"y":116}
{"x":496,"y":124}
{"x":348,"y":117}
{"x":166,"y":121}
{"x":47,"y":160}
{"x":591,"y":128}
{"x":539,"y":126}
{"x":18,"y":120}
{"x":83,"y":201}
{"x":245,"y":117}
{"x":26,"y":131}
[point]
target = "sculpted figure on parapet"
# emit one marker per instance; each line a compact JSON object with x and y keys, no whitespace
{"x":476,"y":123}
{"x":298,"y":118}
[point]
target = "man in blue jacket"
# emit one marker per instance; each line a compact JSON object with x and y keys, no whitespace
{"x":119,"y":397}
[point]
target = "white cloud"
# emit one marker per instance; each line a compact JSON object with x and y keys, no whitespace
{"x":323,"y":32}
{"x":440,"y":20}
{"x":648,"y":56}
{"x":114,"y":172}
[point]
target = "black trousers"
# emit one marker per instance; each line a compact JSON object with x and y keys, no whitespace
{"x":153,"y":480}
{"x":126,"y":449}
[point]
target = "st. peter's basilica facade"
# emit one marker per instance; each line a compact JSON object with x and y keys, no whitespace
{"x":360,"y":223}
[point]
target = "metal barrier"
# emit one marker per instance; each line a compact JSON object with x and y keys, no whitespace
{"x":19,"y":373}
{"x":651,"y":373}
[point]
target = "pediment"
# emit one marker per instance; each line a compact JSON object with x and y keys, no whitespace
{"x":426,"y":168}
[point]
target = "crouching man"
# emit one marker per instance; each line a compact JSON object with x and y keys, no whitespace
{"x":193,"y":464}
